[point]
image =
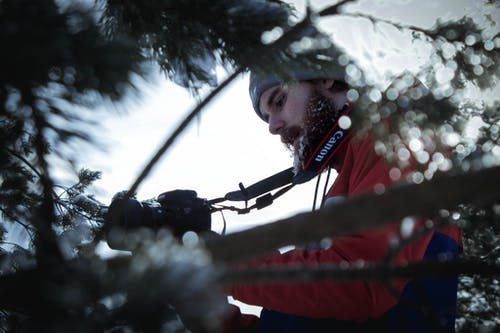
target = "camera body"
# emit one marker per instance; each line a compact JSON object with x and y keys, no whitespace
{"x":178,"y":210}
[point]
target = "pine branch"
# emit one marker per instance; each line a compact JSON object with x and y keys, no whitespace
{"x":35,"y":171}
{"x":282,"y":42}
{"x":27,"y":227}
{"x":366,"y":211}
{"x":292,"y":34}
{"x":399,"y":26}
{"x":432,"y":34}
{"x":492,"y":254}
{"x":150,"y":286}
{"x":333,"y":9}
{"x":25,"y":161}
{"x":175,"y":282}
{"x":366,"y":272}
{"x":47,"y":249}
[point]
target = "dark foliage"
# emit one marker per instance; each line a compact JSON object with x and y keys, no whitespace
{"x":60,"y":56}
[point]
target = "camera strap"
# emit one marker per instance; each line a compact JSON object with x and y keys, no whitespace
{"x":326,"y":149}
{"x":268,"y":184}
{"x":286,"y":179}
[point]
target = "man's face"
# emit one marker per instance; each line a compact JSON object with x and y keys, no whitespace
{"x":301,"y":114}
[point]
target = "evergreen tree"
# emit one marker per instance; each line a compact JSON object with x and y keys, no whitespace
{"x":61,"y":55}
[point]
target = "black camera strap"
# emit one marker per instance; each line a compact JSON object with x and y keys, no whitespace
{"x":268,"y":184}
{"x":260,"y":190}
{"x":319,"y":160}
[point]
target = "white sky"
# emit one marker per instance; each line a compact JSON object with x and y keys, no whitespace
{"x":229,"y":143}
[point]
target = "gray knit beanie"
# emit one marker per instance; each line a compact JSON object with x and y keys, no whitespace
{"x":261,"y":82}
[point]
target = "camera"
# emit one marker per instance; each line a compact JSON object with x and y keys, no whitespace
{"x":178,"y":210}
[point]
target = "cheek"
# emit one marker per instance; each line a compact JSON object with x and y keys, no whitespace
{"x":297,"y":109}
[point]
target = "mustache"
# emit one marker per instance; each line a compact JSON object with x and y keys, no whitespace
{"x":289,"y":135}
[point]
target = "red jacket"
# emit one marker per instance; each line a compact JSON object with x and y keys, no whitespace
{"x":360,"y":170}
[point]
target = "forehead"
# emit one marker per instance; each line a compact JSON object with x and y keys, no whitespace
{"x":270,"y":91}
{"x":299,"y":90}
{"x":268,"y":95}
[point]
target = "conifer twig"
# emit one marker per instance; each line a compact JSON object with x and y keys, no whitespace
{"x":359,"y":272}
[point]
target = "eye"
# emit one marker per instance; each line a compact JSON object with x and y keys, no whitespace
{"x":339,"y":86}
{"x":280,"y":100}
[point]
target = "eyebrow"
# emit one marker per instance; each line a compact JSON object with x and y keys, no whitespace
{"x":272,"y":96}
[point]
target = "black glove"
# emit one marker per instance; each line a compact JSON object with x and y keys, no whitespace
{"x":178,"y":210}
{"x":183,"y":211}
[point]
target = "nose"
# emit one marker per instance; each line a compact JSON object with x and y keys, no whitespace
{"x":276,"y":124}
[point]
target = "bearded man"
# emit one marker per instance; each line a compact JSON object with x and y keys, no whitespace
{"x":307,"y":114}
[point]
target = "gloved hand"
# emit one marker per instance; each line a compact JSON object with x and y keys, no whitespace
{"x":183,"y":211}
{"x":178,"y":210}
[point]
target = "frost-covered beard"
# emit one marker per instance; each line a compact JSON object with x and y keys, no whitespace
{"x":319,"y":118}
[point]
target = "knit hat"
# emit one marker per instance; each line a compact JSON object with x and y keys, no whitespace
{"x":261,"y":82}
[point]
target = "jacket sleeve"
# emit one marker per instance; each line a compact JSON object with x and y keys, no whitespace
{"x":322,"y":299}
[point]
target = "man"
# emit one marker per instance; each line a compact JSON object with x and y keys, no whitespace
{"x":305,"y":114}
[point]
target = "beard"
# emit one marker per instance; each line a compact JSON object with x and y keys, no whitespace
{"x":321,"y":114}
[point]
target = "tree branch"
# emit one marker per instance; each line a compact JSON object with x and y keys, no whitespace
{"x":282,"y":42}
{"x":47,"y":249}
{"x":29,"y":229}
{"x":333,"y":9}
{"x":397,"y":25}
{"x":366,"y":272}
{"x":366,"y":211}
{"x":429,"y":33}
{"x":25,"y":161}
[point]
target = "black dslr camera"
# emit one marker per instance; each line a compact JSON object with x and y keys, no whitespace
{"x":178,"y":210}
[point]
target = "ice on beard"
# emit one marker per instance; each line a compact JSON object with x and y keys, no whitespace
{"x":320,"y":115}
